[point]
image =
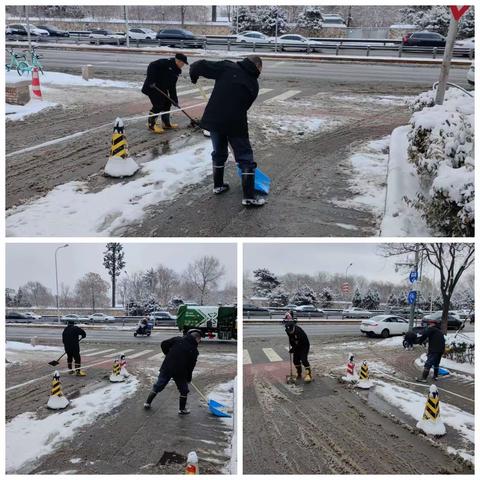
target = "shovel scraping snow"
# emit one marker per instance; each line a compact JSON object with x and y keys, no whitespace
{"x":216,"y":408}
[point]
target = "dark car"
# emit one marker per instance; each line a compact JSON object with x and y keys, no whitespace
{"x":54,"y":31}
{"x":424,"y":39}
{"x":177,"y":36}
{"x":453,"y":321}
{"x":18,"y":317}
{"x":250,"y":310}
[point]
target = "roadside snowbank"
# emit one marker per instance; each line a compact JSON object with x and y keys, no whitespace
{"x":27,"y":347}
{"x":29,"y":438}
{"x":19,"y":112}
{"x":72,"y":210}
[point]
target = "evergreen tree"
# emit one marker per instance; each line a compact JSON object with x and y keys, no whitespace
{"x":246,"y":20}
{"x":113,"y":261}
{"x":357,"y":298}
{"x":326,"y":297}
{"x":371,"y":300}
{"x":304,"y":296}
{"x":278,"y":297}
{"x":311,"y":18}
{"x":271,"y":19}
{"x":392,"y":300}
{"x":265,"y":282}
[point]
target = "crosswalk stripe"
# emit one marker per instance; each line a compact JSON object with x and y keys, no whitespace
{"x":120,"y":352}
{"x":272,"y":355}
{"x":264,"y":90}
{"x":246,"y":358}
{"x":193,"y":90}
{"x":92,"y":354}
{"x":139,"y":354}
{"x":158,"y":356}
{"x":284,"y":96}
{"x":89,"y":350}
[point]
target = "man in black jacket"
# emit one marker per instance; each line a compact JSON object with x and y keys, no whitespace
{"x":436,"y":348}
{"x":225,"y":117}
{"x":299,"y":346}
{"x":164,"y":74}
{"x":180,"y":359}
{"x":71,"y":340}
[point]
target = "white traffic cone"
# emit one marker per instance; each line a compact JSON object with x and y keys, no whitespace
{"x":119,"y":163}
{"x":36,"y":90}
{"x":57,"y":401}
{"x":123,"y":366}
{"x":430,"y":423}
{"x":364,"y":377}
{"x":115,"y":376}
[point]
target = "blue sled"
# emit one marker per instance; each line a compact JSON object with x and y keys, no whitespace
{"x":443,"y":371}
{"x":262,"y":181}
{"x":217,"y":409}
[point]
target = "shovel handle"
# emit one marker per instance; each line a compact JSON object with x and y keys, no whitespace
{"x":199,"y":392}
{"x":175,"y":104}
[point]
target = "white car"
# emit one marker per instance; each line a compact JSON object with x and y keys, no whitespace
{"x":467,"y":44}
{"x":101,"y":317}
{"x":356,"y":312}
{"x":471,"y":75}
{"x":107,"y":36}
{"x":253,"y":37}
{"x":32,"y":315}
{"x":142,"y":34}
{"x":23,"y":28}
{"x":384,"y":325}
{"x":296,"y":42}
{"x":74,"y":317}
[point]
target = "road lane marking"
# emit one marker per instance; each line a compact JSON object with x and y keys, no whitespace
{"x":264,"y":90}
{"x":100,"y":352}
{"x":272,"y":355}
{"x":139,"y":354}
{"x":89,"y":350}
{"x":158,"y":356}
{"x":246,"y":358}
{"x":284,"y":96}
{"x":111,"y":355}
{"x":193,"y":90}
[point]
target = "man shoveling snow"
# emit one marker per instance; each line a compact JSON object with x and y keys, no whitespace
{"x":436,"y":348}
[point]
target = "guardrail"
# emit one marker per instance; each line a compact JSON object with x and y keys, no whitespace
{"x":369,"y":46}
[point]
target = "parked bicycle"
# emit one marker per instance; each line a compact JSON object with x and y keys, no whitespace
{"x":16,"y":63}
{"x":35,"y":59}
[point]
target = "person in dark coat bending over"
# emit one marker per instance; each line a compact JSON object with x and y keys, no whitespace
{"x":71,"y":340}
{"x":180,"y":359}
{"x":163,"y":73}
{"x":436,"y":348}
{"x":225,"y":117}
{"x":299,"y":347}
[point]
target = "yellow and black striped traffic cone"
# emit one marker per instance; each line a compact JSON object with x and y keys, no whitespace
{"x":364,"y":377}
{"x":364,"y":371}
{"x":57,"y":400}
{"x":115,"y":376}
{"x":119,"y":163}
{"x":430,"y":422}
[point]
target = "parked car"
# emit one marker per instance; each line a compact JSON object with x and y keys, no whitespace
{"x":252,"y":310}
{"x":161,"y":317}
{"x":74,"y":317}
{"x":384,"y":325}
{"x":254,"y":37}
{"x":471,"y":75}
{"x":179,"y":37}
{"x":101,"y":318}
{"x":22,"y":29}
{"x":297,"y":42}
{"x":356,"y":312}
{"x":308,"y":311}
{"x":423,"y":39}
{"x":142,"y":34}
{"x":107,"y":37}
{"x":32,"y":315}
{"x":454,"y":321}
{"x":18,"y":317}
{"x":404,"y":311}
{"x":54,"y":31}
{"x":466,"y":44}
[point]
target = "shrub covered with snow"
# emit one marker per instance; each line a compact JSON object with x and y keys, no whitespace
{"x":441,"y":146}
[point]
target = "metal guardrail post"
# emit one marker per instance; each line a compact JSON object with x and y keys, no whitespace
{"x":308,"y":49}
{"x":368,"y":50}
{"x":400,"y":48}
{"x":470,"y":54}
{"x":434,"y":53}
{"x":205,"y":44}
{"x":337,"y":48}
{"x":228,"y":45}
{"x":253,"y":46}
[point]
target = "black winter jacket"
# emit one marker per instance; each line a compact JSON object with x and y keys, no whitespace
{"x":436,"y":340}
{"x":180,"y":357}
{"x":235,"y":90}
{"x":298,"y":340}
{"x":164,"y":74}
{"x":70,"y":337}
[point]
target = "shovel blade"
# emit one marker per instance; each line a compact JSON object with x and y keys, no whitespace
{"x":262,"y":181}
{"x":53,"y":363}
{"x":217,"y":409}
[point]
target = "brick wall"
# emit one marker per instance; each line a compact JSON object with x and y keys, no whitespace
{"x":17,"y":93}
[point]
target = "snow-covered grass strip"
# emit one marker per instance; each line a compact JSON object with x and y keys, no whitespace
{"x":72,"y":210}
{"x":20,"y":112}
{"x":29,"y":438}
{"x":412,"y":404}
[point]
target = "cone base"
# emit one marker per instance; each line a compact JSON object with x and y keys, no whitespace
{"x":364,"y":384}
{"x":432,"y":427}
{"x":57,"y":403}
{"x":124,"y":372}
{"x":117,"y":378}
{"x":350,"y":378}
{"x":119,"y":167}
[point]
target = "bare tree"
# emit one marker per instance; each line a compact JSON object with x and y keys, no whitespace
{"x":92,"y":290}
{"x":66,"y":296}
{"x":450,"y":259}
{"x":204,"y":274}
{"x":37,"y":294}
{"x":167,"y":283}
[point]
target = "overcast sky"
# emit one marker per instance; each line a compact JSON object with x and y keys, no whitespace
{"x":25,"y":262}
{"x":333,"y":258}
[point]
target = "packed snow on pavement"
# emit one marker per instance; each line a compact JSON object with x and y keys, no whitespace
{"x":44,"y":436}
{"x":71,"y":208}
{"x":27,"y":347}
{"x":20,"y":112}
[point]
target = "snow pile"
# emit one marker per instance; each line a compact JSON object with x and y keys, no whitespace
{"x":20,"y":112}
{"x":121,"y":167}
{"x":441,"y":148}
{"x":43,"y":436}
{"x":65,"y":79}
{"x":71,"y":209}
{"x":21,"y":346}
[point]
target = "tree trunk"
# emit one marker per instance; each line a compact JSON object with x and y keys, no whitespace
{"x":113,"y":291}
{"x":445,"y":308}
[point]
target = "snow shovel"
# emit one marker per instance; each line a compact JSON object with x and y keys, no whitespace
{"x":193,"y":122}
{"x":218,"y":409}
{"x":54,"y":363}
{"x":290,"y":378}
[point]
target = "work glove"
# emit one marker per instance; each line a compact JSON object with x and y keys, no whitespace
{"x":194,"y":79}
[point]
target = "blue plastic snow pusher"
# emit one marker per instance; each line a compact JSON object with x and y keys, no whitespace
{"x":218,"y":409}
{"x":262,"y":180}
{"x":443,"y":371}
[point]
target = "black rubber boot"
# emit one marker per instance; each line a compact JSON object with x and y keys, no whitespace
{"x":183,"y":410}
{"x":299,"y":371}
{"x":218,"y":185}
{"x":250,"y":199}
{"x":424,"y":377}
{"x":149,"y":401}
{"x":435,"y":373}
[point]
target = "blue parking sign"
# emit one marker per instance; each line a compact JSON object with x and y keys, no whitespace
{"x":413,"y":277}
{"x":412,"y":297}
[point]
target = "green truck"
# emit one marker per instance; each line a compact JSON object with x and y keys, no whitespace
{"x":212,"y":321}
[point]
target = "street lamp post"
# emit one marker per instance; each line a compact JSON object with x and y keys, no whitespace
{"x":56,"y":279}
{"x":346,"y":276}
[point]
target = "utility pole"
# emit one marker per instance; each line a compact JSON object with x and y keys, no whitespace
{"x":447,"y":59}
{"x":125,"y":14}
{"x":56,"y":280}
{"x":414,"y":303}
{"x":276,"y":31}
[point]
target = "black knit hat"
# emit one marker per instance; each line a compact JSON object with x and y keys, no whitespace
{"x":181,"y":57}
